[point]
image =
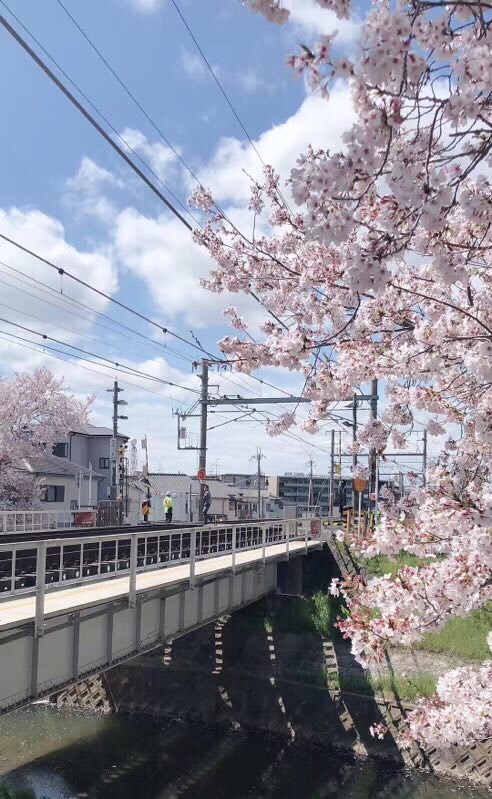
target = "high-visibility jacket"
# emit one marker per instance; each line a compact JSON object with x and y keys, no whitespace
{"x":168,"y":503}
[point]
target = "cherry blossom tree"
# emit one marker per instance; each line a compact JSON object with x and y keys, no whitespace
{"x":35,"y":412}
{"x":375,"y":261}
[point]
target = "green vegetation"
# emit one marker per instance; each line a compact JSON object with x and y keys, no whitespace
{"x":315,"y":614}
{"x":381,"y":565}
{"x":464,"y":636}
{"x":405,"y":688}
{"x":11,"y":793}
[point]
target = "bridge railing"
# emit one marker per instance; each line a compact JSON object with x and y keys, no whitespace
{"x":39,"y":566}
{"x":30,"y":521}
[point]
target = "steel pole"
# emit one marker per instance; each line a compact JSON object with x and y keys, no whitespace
{"x":332,"y":472}
{"x":202,"y":457}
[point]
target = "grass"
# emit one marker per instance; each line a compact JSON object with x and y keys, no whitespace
{"x":464,"y":636}
{"x":309,"y":615}
{"x":381,"y":565}
{"x":405,"y":688}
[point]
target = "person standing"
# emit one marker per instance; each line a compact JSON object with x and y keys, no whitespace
{"x":168,"y":506}
{"x":207,"y":501}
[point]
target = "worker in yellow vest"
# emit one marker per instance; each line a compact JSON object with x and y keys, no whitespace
{"x":168,"y":506}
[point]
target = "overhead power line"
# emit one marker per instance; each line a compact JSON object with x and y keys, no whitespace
{"x":63,"y":271}
{"x":118,"y":365}
{"x":95,"y":124}
{"x":128,"y":91}
{"x":216,"y":79}
{"x":50,"y":352}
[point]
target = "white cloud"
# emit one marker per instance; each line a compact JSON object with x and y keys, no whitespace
{"x":84,"y":191}
{"x":35,"y":306}
{"x":192,"y":64}
{"x":316,"y":122}
{"x":250,"y":81}
{"x":309,"y":18}
{"x":147,"y":6}
{"x":162,"y":253}
{"x":159,"y":156}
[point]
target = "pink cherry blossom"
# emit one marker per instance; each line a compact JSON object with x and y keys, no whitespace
{"x":375,"y":261}
{"x":36,"y":412}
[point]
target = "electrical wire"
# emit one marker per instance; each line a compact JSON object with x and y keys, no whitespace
{"x":128,"y":91}
{"x":118,"y":365}
{"x":112,"y":143}
{"x":63,"y":271}
{"x":44,"y":348}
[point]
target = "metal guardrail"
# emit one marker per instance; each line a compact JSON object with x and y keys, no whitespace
{"x":35,"y":567}
{"x":28,"y":565}
{"x":30,"y":521}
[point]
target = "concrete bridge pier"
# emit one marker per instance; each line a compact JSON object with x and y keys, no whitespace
{"x":289,"y":577}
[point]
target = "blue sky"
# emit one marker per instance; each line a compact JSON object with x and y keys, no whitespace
{"x":64,"y":193}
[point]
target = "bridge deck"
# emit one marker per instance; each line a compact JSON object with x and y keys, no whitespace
{"x":20,"y":610}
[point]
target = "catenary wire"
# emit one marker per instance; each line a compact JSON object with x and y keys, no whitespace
{"x":63,"y":271}
{"x":95,"y":124}
{"x":110,"y":141}
{"x":43,"y":349}
{"x":118,"y":365}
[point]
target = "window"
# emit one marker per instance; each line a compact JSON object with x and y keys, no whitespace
{"x":53,"y":494}
{"x":60,"y":450}
{"x":104,"y":463}
{"x":74,"y":504}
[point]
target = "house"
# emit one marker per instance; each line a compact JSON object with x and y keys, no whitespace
{"x":89,"y":445}
{"x":65,"y":485}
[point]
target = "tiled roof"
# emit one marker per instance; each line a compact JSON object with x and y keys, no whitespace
{"x":51,"y":464}
{"x":94,"y":430}
{"x":182,"y":483}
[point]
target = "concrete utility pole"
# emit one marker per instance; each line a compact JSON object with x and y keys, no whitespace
{"x":332,"y":475}
{"x":424,"y":456}
{"x":114,"y":441}
{"x":373,"y":476}
{"x":354,"y":429}
{"x":202,"y":453}
{"x":310,"y":463}
{"x":258,"y":458}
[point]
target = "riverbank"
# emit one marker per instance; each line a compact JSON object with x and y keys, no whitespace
{"x":273,"y":668}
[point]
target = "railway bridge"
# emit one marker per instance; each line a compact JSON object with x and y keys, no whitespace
{"x":75,"y":603}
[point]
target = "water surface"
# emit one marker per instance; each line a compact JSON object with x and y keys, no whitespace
{"x":67,"y":756}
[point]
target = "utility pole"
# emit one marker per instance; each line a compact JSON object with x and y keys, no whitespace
{"x":354,"y":429}
{"x":114,"y":441}
{"x":258,"y":457}
{"x":424,"y":456}
{"x":332,"y":473}
{"x":146,"y":505}
{"x":310,"y":463}
{"x":202,"y":453}
{"x":373,"y":476}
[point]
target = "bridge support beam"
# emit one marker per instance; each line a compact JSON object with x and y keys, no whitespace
{"x":289,"y":577}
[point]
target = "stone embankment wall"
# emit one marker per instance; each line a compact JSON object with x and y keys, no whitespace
{"x":246,"y":671}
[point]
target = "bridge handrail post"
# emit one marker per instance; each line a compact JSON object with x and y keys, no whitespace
{"x":306,"y":538}
{"x":132,"y":591}
{"x":287,"y":538}
{"x":40,"y":589}
{"x":234,"y":542}
{"x":192,"y":558}
{"x":263,"y":544}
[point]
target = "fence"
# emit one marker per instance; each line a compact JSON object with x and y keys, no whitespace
{"x":28,"y":567}
{"x":108,"y":513}
{"x":36,"y":520}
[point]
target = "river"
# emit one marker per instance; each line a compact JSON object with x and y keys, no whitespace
{"x":71,"y":756}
